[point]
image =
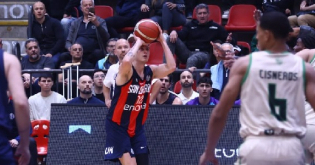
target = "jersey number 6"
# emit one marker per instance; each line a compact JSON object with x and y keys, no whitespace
{"x":275,"y":102}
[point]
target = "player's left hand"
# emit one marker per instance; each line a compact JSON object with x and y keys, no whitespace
{"x":208,"y":157}
{"x":160,"y":38}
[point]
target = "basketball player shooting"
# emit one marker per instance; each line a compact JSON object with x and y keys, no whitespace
{"x":273,"y":85}
{"x":129,"y":107}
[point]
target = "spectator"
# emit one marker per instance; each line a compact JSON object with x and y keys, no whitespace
{"x":76,"y":52}
{"x":187,"y":81}
{"x":57,"y":8}
{"x":121,"y":48}
{"x":110,"y":57}
{"x":40,"y":103}
{"x":305,"y":16}
{"x":220,"y":72}
{"x":204,"y":89}
{"x":128,"y":13}
{"x":70,"y":14}
{"x":166,"y":13}
{"x":98,"y":79}
{"x":33,"y":60}
{"x":165,"y":96}
{"x":85,"y":88}
{"x":192,"y":43}
{"x":91,"y":32}
{"x":190,"y":5}
{"x":283,"y":6}
{"x":48,"y":32}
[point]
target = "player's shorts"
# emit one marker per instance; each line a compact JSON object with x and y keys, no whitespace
{"x":308,"y":142}
{"x":6,"y":152}
{"x":271,"y":150}
{"x":119,"y":142}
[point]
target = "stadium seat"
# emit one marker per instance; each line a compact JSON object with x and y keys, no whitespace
{"x":104,"y":11}
{"x":215,"y":14}
{"x":178,"y":87}
{"x":40,"y":134}
{"x":245,"y":44}
{"x":177,"y":28}
{"x":156,"y":54}
{"x":241,"y":18}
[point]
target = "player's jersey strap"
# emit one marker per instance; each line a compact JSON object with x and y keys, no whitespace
{"x":129,"y":107}
{"x":4,"y":110}
{"x":276,"y":81}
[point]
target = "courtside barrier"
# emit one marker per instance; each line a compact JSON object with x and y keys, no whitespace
{"x":176,"y":135}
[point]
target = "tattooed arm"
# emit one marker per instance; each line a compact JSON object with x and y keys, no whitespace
{"x":125,"y":68}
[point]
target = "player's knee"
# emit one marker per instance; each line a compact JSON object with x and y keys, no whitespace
{"x":142,"y":159}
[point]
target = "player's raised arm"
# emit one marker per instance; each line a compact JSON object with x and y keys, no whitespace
{"x":125,"y":67}
{"x":163,"y":70}
{"x":15,"y":86}
{"x":220,"y":113}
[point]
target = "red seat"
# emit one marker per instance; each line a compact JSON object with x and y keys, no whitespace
{"x":177,"y":28}
{"x":178,"y":87}
{"x":245,"y":44}
{"x":126,"y":30}
{"x":215,"y":14}
{"x":156,"y":54}
{"x":241,"y":18}
{"x":40,"y":134}
{"x":104,"y":11}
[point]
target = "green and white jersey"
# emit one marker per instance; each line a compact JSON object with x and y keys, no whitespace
{"x":309,"y":111}
{"x":272,"y":95}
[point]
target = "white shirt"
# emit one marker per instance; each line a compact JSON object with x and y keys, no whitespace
{"x":110,"y":77}
{"x":40,"y":106}
{"x":185,"y":99}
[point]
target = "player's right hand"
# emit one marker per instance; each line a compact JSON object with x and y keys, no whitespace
{"x":108,"y":103}
{"x":206,"y":158}
{"x":137,"y":39}
{"x":144,"y":8}
{"x":173,"y":36}
{"x":24,"y":154}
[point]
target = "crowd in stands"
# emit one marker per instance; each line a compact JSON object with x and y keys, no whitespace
{"x":77,"y":35}
{"x":69,"y":32}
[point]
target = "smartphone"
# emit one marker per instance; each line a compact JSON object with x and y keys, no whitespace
{"x":92,"y":10}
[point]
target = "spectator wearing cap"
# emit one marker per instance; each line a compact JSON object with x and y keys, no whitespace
{"x":192,"y":43}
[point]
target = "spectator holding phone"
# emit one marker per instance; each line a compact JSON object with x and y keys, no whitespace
{"x":90,"y":31}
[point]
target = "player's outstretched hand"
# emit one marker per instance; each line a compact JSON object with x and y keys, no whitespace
{"x":137,"y":39}
{"x":221,"y":52}
{"x":160,"y":38}
{"x":24,"y":155}
{"x":207,"y":158}
{"x":257,"y":15}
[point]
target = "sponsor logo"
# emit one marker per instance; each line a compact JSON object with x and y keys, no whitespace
{"x":136,"y":89}
{"x":93,"y":27}
{"x":148,"y":78}
{"x":86,"y":128}
{"x":109,"y":150}
{"x":12,"y":116}
{"x":225,"y":153}
{"x":134,"y":107}
{"x":142,"y":147}
{"x":194,"y":27}
{"x":131,"y":151}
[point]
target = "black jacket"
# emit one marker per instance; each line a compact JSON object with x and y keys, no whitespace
{"x":197,"y":36}
{"x":50,"y":35}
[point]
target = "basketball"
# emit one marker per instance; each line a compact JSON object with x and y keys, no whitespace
{"x":147,"y":30}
